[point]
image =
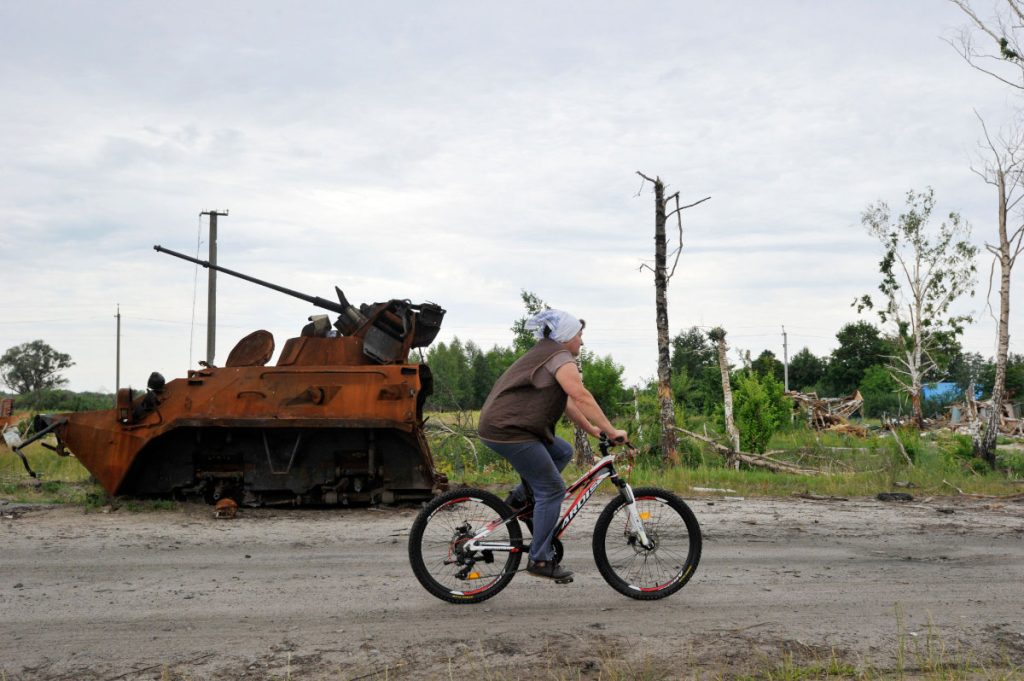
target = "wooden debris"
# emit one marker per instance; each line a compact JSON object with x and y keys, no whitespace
{"x":969,"y":416}
{"x":830,"y":413}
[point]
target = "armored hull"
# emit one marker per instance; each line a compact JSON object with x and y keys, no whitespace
{"x":338,"y":419}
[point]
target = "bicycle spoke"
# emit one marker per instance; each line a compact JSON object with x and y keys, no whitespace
{"x":441,"y":559}
{"x":654,"y":567}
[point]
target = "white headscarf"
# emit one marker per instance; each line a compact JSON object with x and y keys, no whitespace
{"x":563,"y":325}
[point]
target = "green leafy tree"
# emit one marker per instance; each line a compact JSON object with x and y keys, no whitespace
{"x":692,"y":351}
{"x":453,"y":381}
{"x":485,"y":368}
{"x":603,"y":378}
{"x":1014,"y":390}
{"x":761,"y":409}
{"x":696,"y":380}
{"x":881,"y":393}
{"x":806,"y":370}
{"x":924,"y":270}
{"x":31,"y":367}
{"x":860,"y":346}
{"x":967,"y":369}
{"x":766,"y":364}
{"x":523,"y":339}
{"x":948,"y":356}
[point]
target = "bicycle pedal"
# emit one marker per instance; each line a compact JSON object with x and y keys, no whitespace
{"x":567,"y":580}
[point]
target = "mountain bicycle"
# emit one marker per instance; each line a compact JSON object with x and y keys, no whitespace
{"x":465,"y":546}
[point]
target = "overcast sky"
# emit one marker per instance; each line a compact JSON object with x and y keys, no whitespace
{"x":461,"y":152}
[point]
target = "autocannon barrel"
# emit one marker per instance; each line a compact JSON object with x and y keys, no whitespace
{"x":341,"y":308}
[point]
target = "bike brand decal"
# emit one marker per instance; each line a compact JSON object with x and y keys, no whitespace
{"x":580,"y":500}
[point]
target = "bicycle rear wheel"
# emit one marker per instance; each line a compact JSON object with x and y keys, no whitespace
{"x":437,"y":550}
{"x":648,"y":574}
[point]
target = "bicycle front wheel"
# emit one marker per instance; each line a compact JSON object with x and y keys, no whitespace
{"x":647,"y":573}
{"x":437,"y":546}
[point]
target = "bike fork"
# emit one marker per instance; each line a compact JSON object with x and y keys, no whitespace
{"x":634,"y":515}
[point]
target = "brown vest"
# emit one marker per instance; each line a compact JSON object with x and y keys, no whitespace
{"x":516,"y":409}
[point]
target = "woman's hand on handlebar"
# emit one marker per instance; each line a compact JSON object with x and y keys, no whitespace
{"x":616,"y":437}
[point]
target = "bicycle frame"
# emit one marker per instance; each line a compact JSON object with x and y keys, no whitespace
{"x":585,"y":486}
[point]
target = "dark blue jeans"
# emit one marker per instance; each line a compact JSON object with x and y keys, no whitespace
{"x":540,"y":465}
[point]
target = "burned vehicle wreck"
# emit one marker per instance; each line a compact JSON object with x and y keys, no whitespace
{"x":337,"y":420}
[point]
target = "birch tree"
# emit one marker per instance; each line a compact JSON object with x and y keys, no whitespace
{"x":923,"y":272}
{"x":717,"y":336}
{"x":662,"y":276}
{"x":1002,"y":169}
{"x":992,"y":45}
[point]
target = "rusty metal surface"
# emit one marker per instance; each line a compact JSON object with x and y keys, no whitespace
{"x":338,"y":419}
{"x":367,"y":397}
{"x":255,"y":350}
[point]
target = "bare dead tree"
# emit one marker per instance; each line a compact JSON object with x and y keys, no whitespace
{"x":1003,"y":168}
{"x":717,"y":336}
{"x":662,"y":276}
{"x":992,"y":44}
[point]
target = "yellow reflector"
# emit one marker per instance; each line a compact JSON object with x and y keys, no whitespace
{"x":473,"y":575}
{"x":645,"y":515}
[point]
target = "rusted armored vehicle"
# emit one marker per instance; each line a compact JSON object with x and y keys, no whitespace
{"x":338,"y":419}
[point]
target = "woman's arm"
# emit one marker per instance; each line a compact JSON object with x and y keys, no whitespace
{"x":583,"y":403}
{"x":577,"y":417}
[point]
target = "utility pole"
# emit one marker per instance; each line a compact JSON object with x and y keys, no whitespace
{"x":785,"y":359}
{"x":117,"y":380}
{"x":211,"y":301}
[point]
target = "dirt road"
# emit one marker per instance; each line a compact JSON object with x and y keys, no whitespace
{"x":329,"y":594}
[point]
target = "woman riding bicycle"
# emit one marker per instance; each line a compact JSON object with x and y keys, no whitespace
{"x":518,"y":422}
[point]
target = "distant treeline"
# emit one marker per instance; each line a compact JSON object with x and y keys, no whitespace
{"x":59,"y":400}
{"x":464,"y":372}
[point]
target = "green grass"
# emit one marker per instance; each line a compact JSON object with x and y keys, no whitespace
{"x":62,"y":479}
{"x":855,"y":467}
{"x":851,"y":466}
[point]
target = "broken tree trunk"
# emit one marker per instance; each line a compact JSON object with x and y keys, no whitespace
{"x":666,"y":403}
{"x":662,"y":275}
{"x":1005,"y":257}
{"x":718,"y":336}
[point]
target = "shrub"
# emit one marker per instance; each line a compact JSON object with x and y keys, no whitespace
{"x":881,"y":393}
{"x":761,"y":409}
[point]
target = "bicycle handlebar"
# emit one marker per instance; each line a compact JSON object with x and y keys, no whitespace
{"x":604,"y":442}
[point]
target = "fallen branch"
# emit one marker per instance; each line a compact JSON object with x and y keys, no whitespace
{"x":445,"y":428}
{"x":991,"y":497}
{"x":903,"y":450}
{"x":756,"y":460}
{"x":817,"y":497}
